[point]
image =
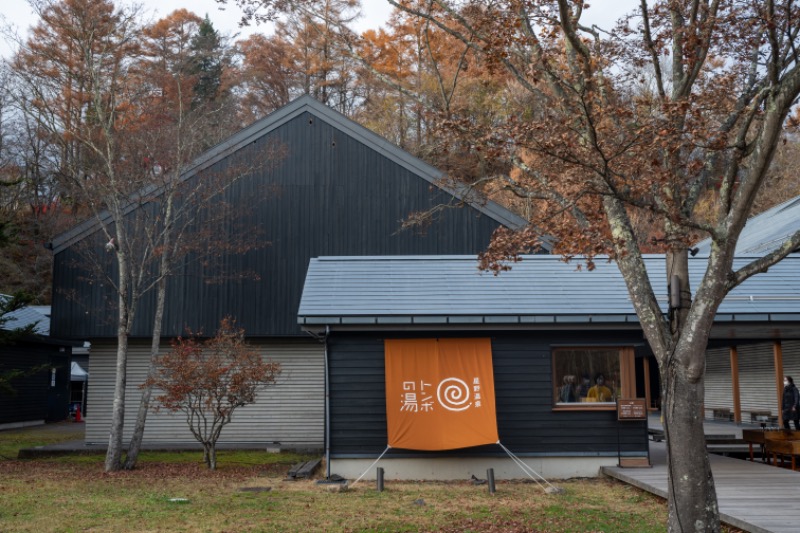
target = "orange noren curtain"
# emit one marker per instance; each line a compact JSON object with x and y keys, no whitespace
{"x":440,"y":393}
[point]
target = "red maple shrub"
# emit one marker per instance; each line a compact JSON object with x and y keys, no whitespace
{"x":207,"y":381}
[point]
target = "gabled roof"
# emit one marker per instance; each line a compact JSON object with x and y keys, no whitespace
{"x":307,"y":104}
{"x":541,"y":290}
{"x":765,"y":231}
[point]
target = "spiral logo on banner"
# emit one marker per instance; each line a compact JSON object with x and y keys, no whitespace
{"x":453,"y":394}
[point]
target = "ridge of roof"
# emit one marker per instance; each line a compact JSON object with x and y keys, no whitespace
{"x":281,"y":116}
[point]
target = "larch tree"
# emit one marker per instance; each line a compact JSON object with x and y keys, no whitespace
{"x":676,"y":113}
{"x":319,"y":62}
{"x":264,"y":78}
{"x":168,"y":58}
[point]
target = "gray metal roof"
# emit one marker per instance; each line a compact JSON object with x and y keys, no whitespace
{"x":24,"y":317}
{"x":765,"y":231}
{"x":539,"y":290}
{"x":307,"y":104}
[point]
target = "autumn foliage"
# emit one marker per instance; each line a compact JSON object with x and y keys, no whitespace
{"x":208,"y":380}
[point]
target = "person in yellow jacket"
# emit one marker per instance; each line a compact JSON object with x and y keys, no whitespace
{"x":599,"y":392}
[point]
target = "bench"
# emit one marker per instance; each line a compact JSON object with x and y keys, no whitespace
{"x":714,"y":438}
{"x":303,"y":470}
{"x":756,"y":415}
{"x":783,"y":448}
{"x":726,"y":438}
{"x":760,"y":437}
{"x":656,"y":434}
{"x":760,"y":416}
{"x":721,"y":413}
{"x":718,"y":413}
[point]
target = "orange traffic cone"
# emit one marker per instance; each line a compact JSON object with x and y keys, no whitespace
{"x":78,"y":414}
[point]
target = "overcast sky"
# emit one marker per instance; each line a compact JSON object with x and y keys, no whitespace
{"x":18,"y":14}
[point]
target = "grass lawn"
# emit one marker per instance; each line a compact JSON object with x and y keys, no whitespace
{"x":67,"y":494}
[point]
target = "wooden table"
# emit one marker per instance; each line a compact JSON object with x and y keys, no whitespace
{"x":783,"y":447}
{"x":760,"y":436}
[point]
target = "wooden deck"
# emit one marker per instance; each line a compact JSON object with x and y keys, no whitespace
{"x":752,"y":496}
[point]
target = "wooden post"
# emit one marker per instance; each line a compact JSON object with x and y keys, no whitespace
{"x":778,"y":355}
{"x":646,"y":371}
{"x":737,"y":399}
{"x":628,"y":371}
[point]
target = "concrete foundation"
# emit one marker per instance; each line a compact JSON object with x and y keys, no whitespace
{"x":447,"y":469}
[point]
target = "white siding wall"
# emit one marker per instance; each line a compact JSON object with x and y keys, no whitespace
{"x":718,"y":379}
{"x":757,"y":379}
{"x":290,"y":412}
{"x":791,"y":360}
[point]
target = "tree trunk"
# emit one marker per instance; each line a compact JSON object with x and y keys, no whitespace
{"x":135,"y":445}
{"x":114,"y":452}
{"x":692,"y":496}
{"x":212,"y":457}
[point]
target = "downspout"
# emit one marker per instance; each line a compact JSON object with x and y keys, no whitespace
{"x":327,"y":409}
{"x":327,"y":430}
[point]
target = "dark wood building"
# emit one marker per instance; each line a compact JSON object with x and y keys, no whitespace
{"x":562,"y":441}
{"x":40,"y":366}
{"x":331,"y":188}
{"x":553,"y":330}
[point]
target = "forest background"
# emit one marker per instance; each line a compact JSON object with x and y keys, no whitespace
{"x":250,"y":77}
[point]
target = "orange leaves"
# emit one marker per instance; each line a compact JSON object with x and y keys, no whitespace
{"x":264,"y":74}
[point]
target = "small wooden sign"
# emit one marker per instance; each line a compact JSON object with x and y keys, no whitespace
{"x":632,"y":409}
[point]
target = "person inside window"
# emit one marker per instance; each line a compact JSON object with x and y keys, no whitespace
{"x":583,"y":388}
{"x":599,"y":393}
{"x":567,"y":392}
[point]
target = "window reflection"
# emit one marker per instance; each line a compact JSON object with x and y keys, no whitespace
{"x":586,"y":375}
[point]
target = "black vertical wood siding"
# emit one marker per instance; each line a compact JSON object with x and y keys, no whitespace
{"x":33,"y":397}
{"x":526,"y":421}
{"x":329,"y":195}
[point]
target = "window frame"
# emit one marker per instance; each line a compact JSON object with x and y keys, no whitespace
{"x":627,"y":377}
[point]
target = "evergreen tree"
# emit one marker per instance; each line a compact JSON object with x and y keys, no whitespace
{"x":207,"y":64}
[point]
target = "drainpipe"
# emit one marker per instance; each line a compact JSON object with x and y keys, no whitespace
{"x":327,"y":410}
{"x":324,"y":339}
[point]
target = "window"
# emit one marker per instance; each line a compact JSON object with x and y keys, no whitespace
{"x":592,"y":377}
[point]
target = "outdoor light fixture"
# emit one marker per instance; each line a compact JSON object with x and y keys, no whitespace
{"x":674,"y":292}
